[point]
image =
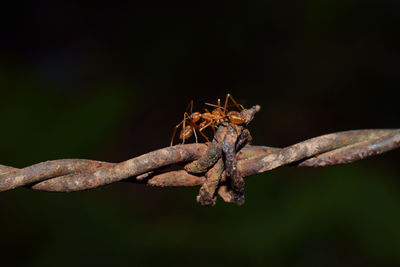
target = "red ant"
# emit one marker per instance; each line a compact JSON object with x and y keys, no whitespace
{"x":190,"y":129}
{"x":220,"y":114}
{"x":210,"y":119}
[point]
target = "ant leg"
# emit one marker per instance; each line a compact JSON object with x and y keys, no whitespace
{"x":204,"y":136}
{"x":239,"y":106}
{"x":211,"y":105}
{"x":213,"y":128}
{"x":216,"y":106}
{"x":185,"y":117}
{"x":195,"y":134}
{"x":226,"y":100}
{"x":220,"y":107}
{"x":215,"y":132}
{"x":174,"y":132}
{"x":233,"y":101}
{"x":205,"y":126}
{"x":190,"y":107}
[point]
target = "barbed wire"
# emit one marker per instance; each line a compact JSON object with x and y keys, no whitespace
{"x":205,"y":165}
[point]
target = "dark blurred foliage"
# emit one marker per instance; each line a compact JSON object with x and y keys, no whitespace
{"x":109,"y":81}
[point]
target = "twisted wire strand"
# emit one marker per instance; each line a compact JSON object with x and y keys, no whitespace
{"x":164,"y":167}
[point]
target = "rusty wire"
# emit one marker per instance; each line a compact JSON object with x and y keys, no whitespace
{"x":175,"y":166}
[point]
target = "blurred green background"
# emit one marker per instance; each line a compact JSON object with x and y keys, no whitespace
{"x":109,"y":82}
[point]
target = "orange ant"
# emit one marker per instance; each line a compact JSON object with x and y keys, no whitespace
{"x":210,"y":119}
{"x":221,"y":114}
{"x":190,"y":129}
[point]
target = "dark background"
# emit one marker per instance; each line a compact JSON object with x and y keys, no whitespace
{"x":109,"y":81}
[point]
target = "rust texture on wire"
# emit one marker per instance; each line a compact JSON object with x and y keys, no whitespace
{"x":217,"y":167}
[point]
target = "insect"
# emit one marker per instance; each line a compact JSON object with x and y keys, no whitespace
{"x":221,"y":114}
{"x":190,"y":123}
{"x":197,"y":121}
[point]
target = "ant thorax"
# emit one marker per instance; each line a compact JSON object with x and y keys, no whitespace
{"x":195,"y":117}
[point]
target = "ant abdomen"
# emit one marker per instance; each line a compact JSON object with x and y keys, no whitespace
{"x":186,"y":132}
{"x":235,"y":118}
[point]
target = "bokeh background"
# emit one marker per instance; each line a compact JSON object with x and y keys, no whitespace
{"x":109,"y":81}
